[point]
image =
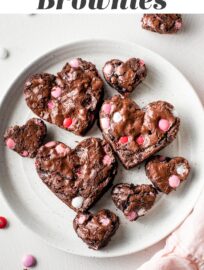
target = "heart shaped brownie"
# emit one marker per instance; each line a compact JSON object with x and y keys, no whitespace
{"x":167,"y":173}
{"x":134,"y":200}
{"x":162,"y":23}
{"x":26,"y":139}
{"x":124,"y":76}
{"x":134,"y":133}
{"x":70,"y":100}
{"x":96,"y":230}
{"x":79,"y":176}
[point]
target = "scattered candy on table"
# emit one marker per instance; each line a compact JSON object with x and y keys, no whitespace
{"x":3,"y":222}
{"x":28,"y":261}
{"x":3,"y":53}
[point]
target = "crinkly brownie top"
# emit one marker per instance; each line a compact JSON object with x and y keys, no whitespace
{"x":69,"y":100}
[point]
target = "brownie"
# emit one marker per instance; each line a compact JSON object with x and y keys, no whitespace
{"x":135,"y":134}
{"x":124,"y":76}
{"x":162,"y":23}
{"x":97,"y":229}
{"x":134,"y":200}
{"x":79,"y":176}
{"x":70,"y":100}
{"x":26,"y":139}
{"x":167,"y":173}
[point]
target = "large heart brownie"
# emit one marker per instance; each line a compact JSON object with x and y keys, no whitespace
{"x":70,"y":100}
{"x":26,"y":139}
{"x":162,"y":23}
{"x":134,"y":201}
{"x":96,"y":230}
{"x":79,"y":176}
{"x":124,"y":76}
{"x":134,"y":133}
{"x":167,"y":173}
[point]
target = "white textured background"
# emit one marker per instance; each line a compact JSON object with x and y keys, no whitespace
{"x":28,"y":37}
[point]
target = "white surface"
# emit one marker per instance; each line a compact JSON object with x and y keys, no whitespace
{"x":53,"y":222}
{"x":27,"y":37}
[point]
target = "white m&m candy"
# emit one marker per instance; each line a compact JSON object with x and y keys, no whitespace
{"x":77,"y":202}
{"x":117,"y":117}
{"x":181,"y":169}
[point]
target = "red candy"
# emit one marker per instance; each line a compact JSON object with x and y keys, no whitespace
{"x":140,"y":140}
{"x":67,"y":122}
{"x":123,"y":139}
{"x":3,"y":222}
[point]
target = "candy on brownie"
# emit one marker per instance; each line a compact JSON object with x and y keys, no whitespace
{"x":167,"y":173}
{"x":97,"y":229}
{"x":26,"y":139}
{"x":162,"y":23}
{"x":78,"y":176}
{"x":134,"y":200}
{"x":70,"y":100}
{"x":135,"y":134}
{"x":124,"y":76}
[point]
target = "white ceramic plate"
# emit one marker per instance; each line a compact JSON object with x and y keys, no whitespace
{"x":39,"y":209}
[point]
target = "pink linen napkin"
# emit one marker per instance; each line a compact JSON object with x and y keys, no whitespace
{"x":184,"y":249}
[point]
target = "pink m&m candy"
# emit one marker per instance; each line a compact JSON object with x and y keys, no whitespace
{"x":107,"y":160}
{"x":164,"y":125}
{"x":3,"y":222}
{"x":50,"y":144}
{"x":10,"y":143}
{"x":50,"y":105}
{"x":74,"y":63}
{"x":108,"y":69}
{"x":132,"y":216}
{"x":28,"y":261}
{"x":174,"y":181}
{"x":60,"y":149}
{"x":140,"y":140}
{"x":105,"y":221}
{"x":106,"y":108}
{"x":178,"y":25}
{"x":56,"y":92}
{"x":81,"y":219}
{"x":142,"y":62}
{"x":25,"y":153}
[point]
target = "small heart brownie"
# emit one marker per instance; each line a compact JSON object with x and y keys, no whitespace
{"x":79,"y":176}
{"x":124,"y":76}
{"x":167,"y":173}
{"x":96,"y":230}
{"x":26,"y":139}
{"x":162,"y":23}
{"x":135,"y":134}
{"x":70,"y":100}
{"x":134,"y":201}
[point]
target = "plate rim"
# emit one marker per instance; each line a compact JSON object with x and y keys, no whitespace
{"x":122,"y":43}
